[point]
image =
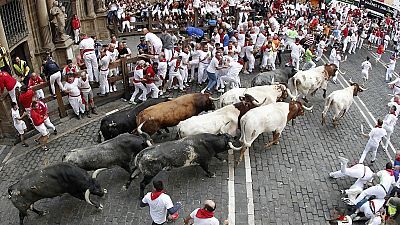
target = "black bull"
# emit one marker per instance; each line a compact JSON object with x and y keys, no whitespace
{"x":124,"y":121}
{"x":278,"y":75}
{"x":51,"y":182}
{"x":193,"y":150}
{"x":114,"y":152}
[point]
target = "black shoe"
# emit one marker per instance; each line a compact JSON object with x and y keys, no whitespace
{"x":25,"y":145}
{"x":55,"y":132}
{"x":94,"y":111}
{"x":78,"y":117}
{"x":88,"y":114}
{"x":372,"y":161}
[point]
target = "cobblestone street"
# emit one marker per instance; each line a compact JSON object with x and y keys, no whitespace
{"x":289,"y":182}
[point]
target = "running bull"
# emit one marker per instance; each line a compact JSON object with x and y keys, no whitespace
{"x":193,"y":150}
{"x":308,"y":82}
{"x":124,"y":121}
{"x":223,"y":120}
{"x":168,"y":114}
{"x":272,"y":93}
{"x":51,"y":182}
{"x":270,"y":77}
{"x":269,"y":118}
{"x":115,"y":152}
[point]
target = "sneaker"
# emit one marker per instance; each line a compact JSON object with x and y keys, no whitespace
{"x":246,"y":72}
{"x":25,"y":145}
{"x":372,"y":161}
{"x":55,"y":132}
{"x":331,"y":175}
{"x":221,"y":90}
{"x":132,"y":102}
{"x":45,"y":148}
{"x":343,"y":160}
{"x":342,"y":192}
{"x":175,"y":87}
{"x":111,"y":90}
{"x":187,"y":85}
{"x":161,"y":93}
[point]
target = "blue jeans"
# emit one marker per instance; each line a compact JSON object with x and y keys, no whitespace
{"x":212,"y":80}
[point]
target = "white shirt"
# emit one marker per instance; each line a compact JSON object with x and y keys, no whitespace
{"x":392,"y":64}
{"x":104,"y":62}
{"x":389,"y":122}
{"x":72,"y":88}
{"x":321,"y":45}
{"x":297,"y":49}
{"x":138,"y":73}
{"x":385,"y":179}
{"x":162,"y":69}
{"x":113,"y":55}
{"x":390,"y":104}
{"x":158,"y":207}
{"x":212,"y":67}
{"x":206,"y":221}
{"x":87,"y":43}
{"x":376,"y":134}
{"x":185,"y":58}
{"x":260,"y":40}
{"x":366,"y":65}
{"x":234,"y":69}
{"x":84,"y":86}
{"x":172,"y":67}
{"x":153,"y":39}
{"x":15,"y":115}
{"x":249,"y":50}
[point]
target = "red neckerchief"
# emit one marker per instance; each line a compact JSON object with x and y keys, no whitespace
{"x":398,"y":158}
{"x":139,"y":68}
{"x":154,"y":195}
{"x":177,"y":65}
{"x":229,"y":47}
{"x":163,"y":60}
{"x":390,"y":172}
{"x":394,"y":113}
{"x":68,"y":69}
{"x":377,"y":126}
{"x":204,"y":214}
{"x":341,"y":218}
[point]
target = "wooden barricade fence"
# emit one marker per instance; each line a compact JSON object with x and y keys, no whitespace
{"x":58,"y":107}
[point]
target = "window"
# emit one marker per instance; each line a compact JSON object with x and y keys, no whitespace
{"x":14,"y":21}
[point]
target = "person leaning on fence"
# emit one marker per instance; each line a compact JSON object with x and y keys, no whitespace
{"x":53,"y":74}
{"x":87,"y":94}
{"x":70,"y":68}
{"x":19,"y":124}
{"x":138,"y":78}
{"x":10,"y":83}
{"x":36,"y":80}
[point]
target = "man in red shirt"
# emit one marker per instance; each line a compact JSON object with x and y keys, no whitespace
{"x":26,"y":97}
{"x":38,"y":122}
{"x":150,"y":78}
{"x":76,"y":26}
{"x":7,"y":81}
{"x":36,"y":80}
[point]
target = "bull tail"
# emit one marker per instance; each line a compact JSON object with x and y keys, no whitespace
{"x":294,"y":81}
{"x":328,"y":103}
{"x":99,"y":137}
{"x":245,"y":143}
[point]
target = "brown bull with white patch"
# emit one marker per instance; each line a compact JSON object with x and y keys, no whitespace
{"x":168,"y":114}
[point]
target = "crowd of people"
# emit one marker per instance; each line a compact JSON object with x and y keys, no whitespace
{"x":218,"y":51}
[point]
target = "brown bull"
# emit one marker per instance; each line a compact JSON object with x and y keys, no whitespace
{"x":168,"y":114}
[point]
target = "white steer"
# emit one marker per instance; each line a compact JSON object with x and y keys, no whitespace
{"x":272,"y":93}
{"x":224,"y":120}
{"x":269,"y":118}
{"x":308,"y":82}
{"x":341,"y":101}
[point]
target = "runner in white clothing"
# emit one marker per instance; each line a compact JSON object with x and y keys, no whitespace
{"x":74,"y":96}
{"x":19,"y":124}
{"x":365,"y":67}
{"x":203,"y":216}
{"x":375,"y":136}
{"x":138,"y":78}
{"x":232,"y":76}
{"x":296,"y":53}
{"x":389,"y":122}
{"x":89,"y":56}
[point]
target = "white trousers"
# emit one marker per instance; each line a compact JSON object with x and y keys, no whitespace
{"x":365,"y":74}
{"x":40,"y":94}
{"x":92,"y":66}
{"x":168,"y":54}
{"x":353,"y":46}
{"x":49,"y":124}
{"x":139,"y":86}
{"x":76,"y":35}
{"x":55,"y":77}
{"x":296,"y":61}
{"x":42,"y":129}
{"x":360,"y":42}
{"x":227,"y":80}
{"x":184,"y":73}
{"x":171,"y":79}
{"x":266,"y":60}
{"x":389,"y":73}
{"x":366,"y":209}
{"x":193,"y":65}
{"x":252,"y":61}
{"x":389,"y":132}
{"x":319,"y":54}
{"x":153,"y":89}
{"x":12,"y":92}
{"x":202,"y":75}
{"x":376,"y":190}
{"x":104,"y":87}
{"x":369,"y":147}
{"x":126,"y":24}
{"x":76,"y":104}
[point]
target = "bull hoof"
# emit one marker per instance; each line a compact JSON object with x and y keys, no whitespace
{"x":305,"y":100}
{"x":324,"y":95}
{"x":100,"y":207}
{"x":276,"y":143}
{"x":268,"y":145}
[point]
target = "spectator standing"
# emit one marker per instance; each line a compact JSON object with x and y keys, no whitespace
{"x":76,"y":27}
{"x":160,"y":204}
{"x":88,"y":54}
{"x":87,"y":94}
{"x":104,"y":71}
{"x":4,"y":61}
{"x":167,"y":43}
{"x":22,"y":70}
{"x":70,"y":69}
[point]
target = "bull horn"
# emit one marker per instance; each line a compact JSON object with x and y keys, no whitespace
{"x":145,"y":135}
{"x":214,"y":99}
{"x":258,"y":104}
{"x":139,"y":128}
{"x":202,"y":91}
{"x":343,"y":73}
{"x":362,"y":88}
{"x":351,"y":82}
{"x":273,"y":80}
{"x":95,"y":173}
{"x":294,"y":98}
{"x":308,"y":109}
{"x":87,"y":193}
{"x":233,"y":147}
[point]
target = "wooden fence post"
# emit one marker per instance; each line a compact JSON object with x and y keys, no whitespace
{"x":125,"y":73}
{"x":60,"y":102}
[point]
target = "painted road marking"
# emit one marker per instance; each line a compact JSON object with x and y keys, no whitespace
{"x":231,"y":187}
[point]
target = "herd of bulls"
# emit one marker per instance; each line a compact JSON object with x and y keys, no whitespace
{"x":200,"y":137}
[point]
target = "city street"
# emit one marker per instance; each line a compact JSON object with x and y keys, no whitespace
{"x":286,"y":184}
